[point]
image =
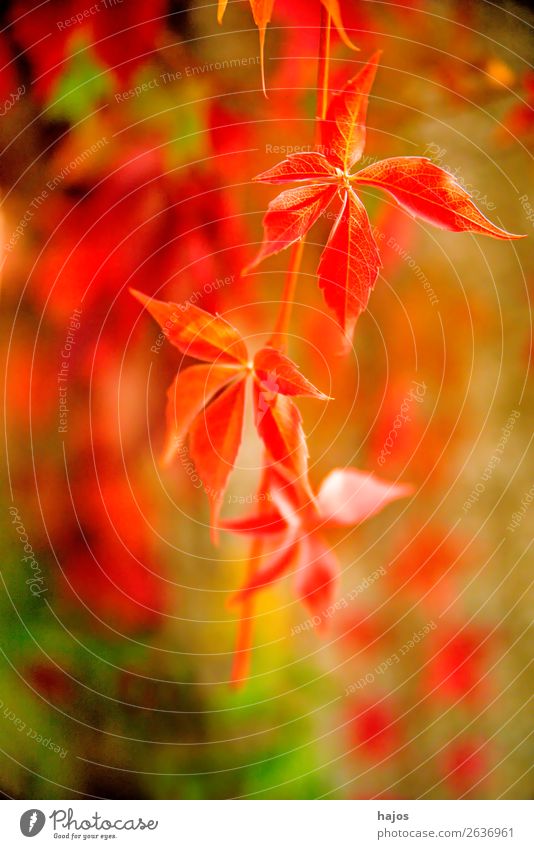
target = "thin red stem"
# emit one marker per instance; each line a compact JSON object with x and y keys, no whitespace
{"x":241,"y":663}
{"x":279,"y":337}
{"x":281,"y":327}
{"x":323,"y":69}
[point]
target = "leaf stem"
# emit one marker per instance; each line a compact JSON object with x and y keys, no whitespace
{"x":241,"y":661}
{"x":279,"y":337}
{"x":281,"y":327}
{"x":323,"y":69}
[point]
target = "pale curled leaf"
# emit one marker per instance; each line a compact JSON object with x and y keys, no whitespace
{"x":348,"y":496}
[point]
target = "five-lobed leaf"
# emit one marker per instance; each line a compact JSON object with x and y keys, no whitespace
{"x":206,"y":401}
{"x":345,"y":498}
{"x":349,"y":265}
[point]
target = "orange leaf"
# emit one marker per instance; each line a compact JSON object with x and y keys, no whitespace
{"x":343,"y":130}
{"x":214,"y":440}
{"x":279,"y":374}
{"x":279,"y":425}
{"x":299,"y":166}
{"x":191,"y":390}
{"x":221,"y":9}
{"x":267,"y":575}
{"x":332,"y":7}
{"x":196,"y":332}
{"x":349,"y":264}
{"x":290,"y":216}
{"x":262,"y":11}
{"x":426,"y":190}
{"x":257,"y":524}
{"x":317,"y":576}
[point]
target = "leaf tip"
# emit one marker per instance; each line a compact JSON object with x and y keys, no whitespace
{"x":140,"y":296}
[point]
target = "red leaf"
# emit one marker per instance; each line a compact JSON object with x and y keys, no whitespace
{"x":192,"y":389}
{"x":317,"y":576}
{"x":275,"y":568}
{"x":343,"y":130}
{"x":349,"y":264}
{"x":299,"y":166}
{"x":349,"y":497}
{"x":196,"y":332}
{"x":290,"y":216}
{"x":214,"y":440}
{"x":256,"y":525}
{"x":433,"y":194}
{"x":279,"y":424}
{"x":279,"y":374}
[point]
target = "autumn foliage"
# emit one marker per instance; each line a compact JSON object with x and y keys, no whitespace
{"x":206,"y":402}
{"x":268,"y":352}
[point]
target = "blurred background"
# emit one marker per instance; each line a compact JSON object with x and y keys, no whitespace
{"x":129,"y":136}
